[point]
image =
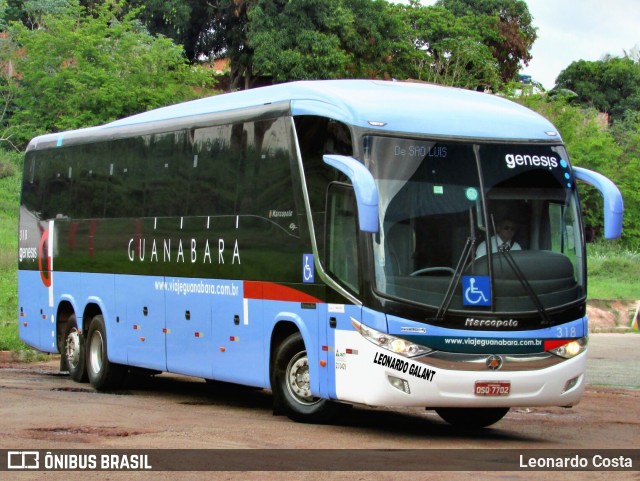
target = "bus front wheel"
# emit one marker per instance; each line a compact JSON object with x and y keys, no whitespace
{"x":473,"y":418}
{"x":291,"y":384}
{"x":74,"y":351}
{"x":103,"y":375}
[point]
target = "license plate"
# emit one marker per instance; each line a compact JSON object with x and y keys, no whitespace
{"x":492,"y":388}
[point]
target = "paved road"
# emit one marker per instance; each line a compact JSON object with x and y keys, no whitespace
{"x":614,"y":360}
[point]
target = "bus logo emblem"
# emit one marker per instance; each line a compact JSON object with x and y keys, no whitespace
{"x":494,"y":362}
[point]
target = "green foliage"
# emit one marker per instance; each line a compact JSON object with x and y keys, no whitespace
{"x":299,"y":39}
{"x":510,"y":34}
{"x":9,"y":205}
{"x":80,"y":70}
{"x":442,"y":48}
{"x":466,"y":43}
{"x":314,"y":39}
{"x":189,"y":23}
{"x":373,"y":39}
{"x":3,"y":14}
{"x":611,"y":85}
{"x":612,"y":152}
{"x":612,"y":271}
{"x":627,"y":174}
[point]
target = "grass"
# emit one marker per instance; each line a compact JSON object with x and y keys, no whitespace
{"x":9,"y":206}
{"x":612,"y":269}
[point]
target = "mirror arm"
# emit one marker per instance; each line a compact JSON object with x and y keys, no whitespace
{"x":365,"y":188}
{"x":613,"y":205}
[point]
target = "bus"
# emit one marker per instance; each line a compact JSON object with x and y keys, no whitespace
{"x":319,"y":239}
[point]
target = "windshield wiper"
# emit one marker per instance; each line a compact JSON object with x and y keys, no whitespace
{"x":505,"y":250}
{"x":467,"y":252}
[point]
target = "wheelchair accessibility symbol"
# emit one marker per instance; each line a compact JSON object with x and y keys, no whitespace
{"x":476,"y":291}
{"x":308,"y":269}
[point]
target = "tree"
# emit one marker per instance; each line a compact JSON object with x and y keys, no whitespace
{"x":207,"y":30}
{"x":613,"y":152}
{"x":514,"y":33}
{"x":78,"y":70}
{"x":374,"y":39}
{"x":442,"y":48}
{"x":189,"y":23}
{"x":627,"y":167}
{"x":469,"y":43}
{"x":313,"y":39}
{"x":299,"y":39}
{"x":316,"y":39}
{"x":610,"y":85}
{"x":229,"y":39}
{"x":31,"y":12}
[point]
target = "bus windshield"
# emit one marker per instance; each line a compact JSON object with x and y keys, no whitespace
{"x":476,"y":227}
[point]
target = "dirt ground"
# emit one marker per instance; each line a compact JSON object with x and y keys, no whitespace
{"x":611,"y":316}
{"x":43,"y":409}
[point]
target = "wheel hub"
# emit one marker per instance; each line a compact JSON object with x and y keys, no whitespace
{"x":72,"y":348}
{"x":298,"y":379}
{"x":95,"y":352}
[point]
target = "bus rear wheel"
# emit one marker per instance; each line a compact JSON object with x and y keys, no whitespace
{"x":74,"y":351}
{"x":473,"y":418}
{"x":103,"y":375}
{"x":291,"y":384}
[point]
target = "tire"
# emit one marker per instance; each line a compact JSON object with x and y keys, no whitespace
{"x":74,"y":351}
{"x":473,"y":418}
{"x":103,"y":375}
{"x":290,"y":384}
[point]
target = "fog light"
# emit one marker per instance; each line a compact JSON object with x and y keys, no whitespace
{"x":399,"y":384}
{"x":571,"y":383}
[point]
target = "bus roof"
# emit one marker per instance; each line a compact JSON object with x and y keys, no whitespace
{"x":402,"y":107}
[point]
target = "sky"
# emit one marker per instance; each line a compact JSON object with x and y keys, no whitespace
{"x":571,"y":30}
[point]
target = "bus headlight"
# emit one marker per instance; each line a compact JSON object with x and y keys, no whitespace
{"x":389,"y":342}
{"x":570,"y":348}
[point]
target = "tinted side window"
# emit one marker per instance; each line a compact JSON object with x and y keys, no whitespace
{"x":238,"y":169}
{"x":166,"y":179}
{"x":51,"y":183}
{"x":93,"y":174}
{"x":266,"y":188}
{"x":318,"y":136}
{"x":214,"y":170}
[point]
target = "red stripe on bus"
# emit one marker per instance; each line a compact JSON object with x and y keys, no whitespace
{"x":270,"y":291}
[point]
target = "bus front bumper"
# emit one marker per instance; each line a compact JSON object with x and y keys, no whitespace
{"x":368,"y":374}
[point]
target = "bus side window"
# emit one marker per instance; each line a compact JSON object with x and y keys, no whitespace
{"x":166,"y":187}
{"x":91,"y":180}
{"x":214,"y":165}
{"x":31,"y":184}
{"x":122,"y":177}
{"x":318,"y":136}
{"x":561,"y":230}
{"x":342,"y":236}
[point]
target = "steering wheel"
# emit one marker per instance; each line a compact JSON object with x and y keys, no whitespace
{"x":427,"y":270}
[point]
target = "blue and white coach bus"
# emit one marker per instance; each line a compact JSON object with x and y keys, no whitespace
{"x":327,"y":240}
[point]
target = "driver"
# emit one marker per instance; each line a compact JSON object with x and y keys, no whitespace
{"x":503,"y":240}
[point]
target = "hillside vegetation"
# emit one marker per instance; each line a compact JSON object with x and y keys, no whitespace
{"x":67,"y":64}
